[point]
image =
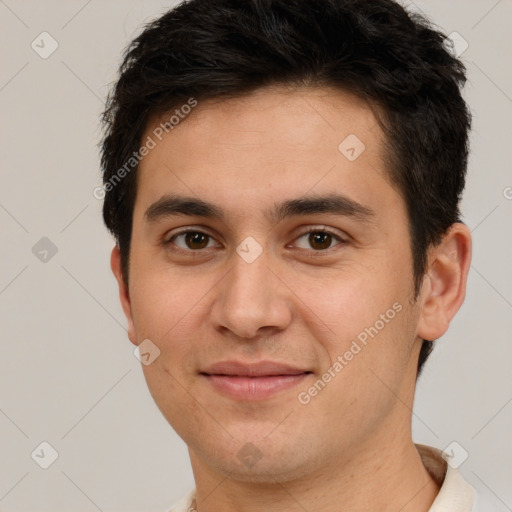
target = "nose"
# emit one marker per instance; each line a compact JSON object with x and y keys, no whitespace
{"x":251,"y":300}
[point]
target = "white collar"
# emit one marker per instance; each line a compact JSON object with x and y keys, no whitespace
{"x":455,"y":495}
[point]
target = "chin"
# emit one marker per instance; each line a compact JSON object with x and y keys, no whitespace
{"x":259,"y":463}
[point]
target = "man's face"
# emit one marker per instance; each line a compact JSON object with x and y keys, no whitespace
{"x":259,"y":302}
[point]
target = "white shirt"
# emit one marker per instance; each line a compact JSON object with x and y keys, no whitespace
{"x":455,"y":494}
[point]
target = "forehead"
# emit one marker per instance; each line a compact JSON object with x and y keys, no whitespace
{"x":298,"y":116}
{"x":253,"y":149}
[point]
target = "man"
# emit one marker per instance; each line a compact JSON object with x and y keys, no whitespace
{"x":283,"y":178}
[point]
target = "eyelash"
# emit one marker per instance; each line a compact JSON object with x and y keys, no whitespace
{"x":313,"y":253}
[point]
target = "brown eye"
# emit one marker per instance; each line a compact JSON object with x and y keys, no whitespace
{"x":191,"y":241}
{"x":318,"y":240}
{"x":195,"y":240}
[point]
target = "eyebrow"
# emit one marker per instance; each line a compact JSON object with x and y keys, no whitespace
{"x":335,"y":204}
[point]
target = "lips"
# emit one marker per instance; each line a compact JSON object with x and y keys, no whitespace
{"x":260,"y":369}
{"x":252,"y":381}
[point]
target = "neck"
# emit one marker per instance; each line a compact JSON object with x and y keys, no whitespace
{"x":381,"y":476}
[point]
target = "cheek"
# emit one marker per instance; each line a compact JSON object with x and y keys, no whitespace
{"x":170,"y":393}
{"x":343,"y":304}
{"x":165,"y":310}
{"x":371,"y":328}
{"x":369,"y":356}
{"x":163,"y":301}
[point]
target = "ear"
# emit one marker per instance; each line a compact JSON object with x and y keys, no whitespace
{"x":444,"y":285}
{"x":124,"y":295}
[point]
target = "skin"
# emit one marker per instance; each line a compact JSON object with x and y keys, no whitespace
{"x":350,"y":448}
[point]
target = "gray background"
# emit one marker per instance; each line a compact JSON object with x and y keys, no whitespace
{"x":68,"y":374}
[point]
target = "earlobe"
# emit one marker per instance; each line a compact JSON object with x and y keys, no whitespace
{"x":444,"y":285}
{"x":124,"y":295}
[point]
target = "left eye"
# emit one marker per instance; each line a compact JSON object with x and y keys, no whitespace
{"x":193,"y":240}
{"x":318,"y":240}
